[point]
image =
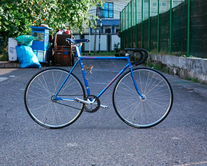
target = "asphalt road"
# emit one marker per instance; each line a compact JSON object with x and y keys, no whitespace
{"x":101,"y":138}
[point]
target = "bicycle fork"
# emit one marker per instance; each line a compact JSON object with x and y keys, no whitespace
{"x":135,"y":84}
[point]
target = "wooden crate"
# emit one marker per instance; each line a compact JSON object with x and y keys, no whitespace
{"x":62,"y":56}
{"x":60,"y":39}
{"x":62,"y":51}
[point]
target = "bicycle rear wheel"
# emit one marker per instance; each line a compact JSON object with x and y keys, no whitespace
{"x":147,"y":112}
{"x":47,"y":112}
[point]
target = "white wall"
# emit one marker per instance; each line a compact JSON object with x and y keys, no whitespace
{"x":90,"y":45}
{"x":114,"y":40}
{"x":103,"y":42}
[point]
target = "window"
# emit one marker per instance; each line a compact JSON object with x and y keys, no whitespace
{"x":107,"y":11}
{"x":164,"y":4}
{"x":107,"y":29}
{"x":154,"y":4}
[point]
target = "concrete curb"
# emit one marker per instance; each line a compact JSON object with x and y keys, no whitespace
{"x":183,"y":67}
{"x":7,"y":64}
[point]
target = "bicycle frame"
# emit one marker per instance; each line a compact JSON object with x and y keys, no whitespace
{"x":79,"y":60}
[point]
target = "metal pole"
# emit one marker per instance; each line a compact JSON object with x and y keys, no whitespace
{"x":149,"y":26}
{"x":121,"y":28}
{"x":128,"y":25}
{"x":99,"y":44}
{"x":158,"y":26}
{"x":136,"y":43}
{"x":121,"y":24}
{"x":95,"y":40}
{"x":142,"y":30}
{"x":125,"y":27}
{"x":188,"y":30}
{"x":100,"y":24}
{"x":132,"y":24}
{"x":89,"y":39}
{"x":170,"y":43}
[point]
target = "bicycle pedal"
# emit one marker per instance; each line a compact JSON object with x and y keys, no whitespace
{"x":104,"y":106}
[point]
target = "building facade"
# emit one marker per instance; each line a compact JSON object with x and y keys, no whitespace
{"x":108,"y":25}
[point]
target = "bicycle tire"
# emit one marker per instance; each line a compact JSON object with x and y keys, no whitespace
{"x":138,"y":112}
{"x":38,"y":98}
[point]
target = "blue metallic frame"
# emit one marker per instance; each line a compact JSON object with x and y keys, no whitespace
{"x":79,"y":60}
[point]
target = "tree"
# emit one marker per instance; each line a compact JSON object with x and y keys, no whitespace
{"x":16,"y":16}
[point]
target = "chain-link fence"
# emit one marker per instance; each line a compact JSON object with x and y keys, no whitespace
{"x":174,"y":26}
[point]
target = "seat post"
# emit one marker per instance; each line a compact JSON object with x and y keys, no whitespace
{"x":77,"y":50}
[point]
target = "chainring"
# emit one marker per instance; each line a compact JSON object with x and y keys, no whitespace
{"x":93,"y":107}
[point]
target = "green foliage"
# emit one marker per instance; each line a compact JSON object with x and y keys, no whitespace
{"x":188,"y":78}
{"x":192,"y":79}
{"x":166,"y":70}
{"x":116,"y":47}
{"x":4,"y":56}
{"x":16,"y":16}
{"x":150,"y":65}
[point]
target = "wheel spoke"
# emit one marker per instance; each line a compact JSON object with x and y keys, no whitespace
{"x":142,"y":112}
{"x":39,"y":103}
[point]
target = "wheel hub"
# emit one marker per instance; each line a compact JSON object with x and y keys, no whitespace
{"x":144,"y":97}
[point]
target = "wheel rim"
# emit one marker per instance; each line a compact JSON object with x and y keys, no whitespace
{"x":146,"y":112}
{"x":43,"y":108}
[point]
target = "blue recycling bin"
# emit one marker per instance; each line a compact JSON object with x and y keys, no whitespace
{"x":41,"y":42}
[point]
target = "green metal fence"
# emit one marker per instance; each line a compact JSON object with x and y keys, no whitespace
{"x":174,"y":26}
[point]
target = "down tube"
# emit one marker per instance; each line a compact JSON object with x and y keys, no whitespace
{"x":113,"y":80}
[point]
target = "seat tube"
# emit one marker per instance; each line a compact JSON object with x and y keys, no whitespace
{"x":84,"y":77}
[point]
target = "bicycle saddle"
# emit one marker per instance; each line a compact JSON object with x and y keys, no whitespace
{"x":76,"y":41}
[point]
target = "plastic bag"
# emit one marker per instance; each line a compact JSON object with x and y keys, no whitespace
{"x":26,"y":40}
{"x":26,"y":57}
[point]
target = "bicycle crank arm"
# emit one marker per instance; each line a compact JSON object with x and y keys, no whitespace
{"x":83,"y":101}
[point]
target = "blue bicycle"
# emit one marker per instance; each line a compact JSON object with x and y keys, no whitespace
{"x":142,"y":97}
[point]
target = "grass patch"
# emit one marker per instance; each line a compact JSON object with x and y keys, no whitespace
{"x":150,"y":65}
{"x":188,"y":78}
{"x":195,"y":80}
{"x":158,"y":67}
{"x":192,"y":79}
{"x":167,"y":70}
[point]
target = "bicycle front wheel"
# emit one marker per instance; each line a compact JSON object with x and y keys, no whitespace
{"x":41,"y":107}
{"x":147,"y":112}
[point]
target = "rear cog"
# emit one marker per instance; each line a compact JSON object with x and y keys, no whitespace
{"x":94,"y":106}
